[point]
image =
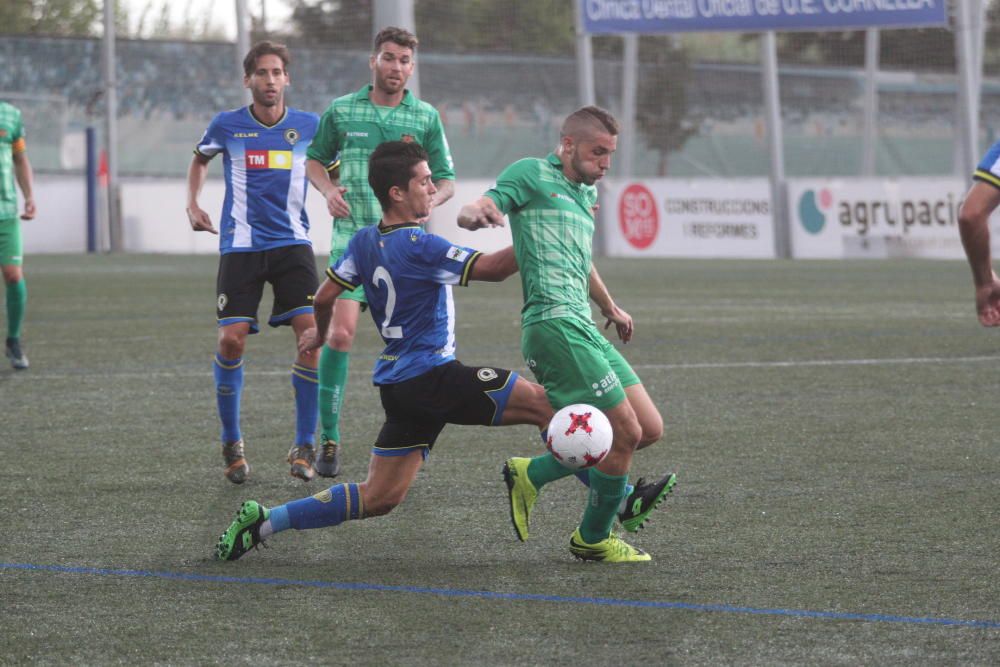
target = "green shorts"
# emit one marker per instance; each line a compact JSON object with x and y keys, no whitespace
{"x":11,"y":245}
{"x":575,"y":363}
{"x":338,"y":246}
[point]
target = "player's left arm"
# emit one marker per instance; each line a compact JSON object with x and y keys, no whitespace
{"x":609,"y":309}
{"x":25,"y":178}
{"x":495,"y":266}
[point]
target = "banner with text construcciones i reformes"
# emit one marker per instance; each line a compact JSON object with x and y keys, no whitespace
{"x":660,"y":16}
{"x":688,"y":218}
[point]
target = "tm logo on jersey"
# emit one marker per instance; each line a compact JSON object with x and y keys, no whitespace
{"x":458,"y":254}
{"x":268,"y":159}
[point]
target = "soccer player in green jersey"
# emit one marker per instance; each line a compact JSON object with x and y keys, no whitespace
{"x":349,"y":130}
{"x":551,"y":205}
{"x":14,"y":165}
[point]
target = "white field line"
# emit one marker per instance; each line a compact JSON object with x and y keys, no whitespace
{"x":33,"y":374}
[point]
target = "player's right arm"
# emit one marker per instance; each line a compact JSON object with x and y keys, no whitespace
{"x":211,"y":144}
{"x":481,"y":213}
{"x":322,"y":159}
{"x":197,"y":173}
{"x":319,"y":175}
{"x":973,"y":224}
{"x":513,"y":190}
{"x":323,"y":302}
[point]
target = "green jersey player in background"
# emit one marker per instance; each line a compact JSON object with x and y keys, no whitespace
{"x":349,"y":130}
{"x":551,"y":204}
{"x":14,"y":165}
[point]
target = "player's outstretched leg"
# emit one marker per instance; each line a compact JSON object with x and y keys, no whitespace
{"x":643,"y":499}
{"x":243,"y":533}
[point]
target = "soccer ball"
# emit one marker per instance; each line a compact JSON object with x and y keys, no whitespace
{"x":579,"y":436}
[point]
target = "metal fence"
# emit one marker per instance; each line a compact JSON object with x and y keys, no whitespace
{"x":501,"y":106}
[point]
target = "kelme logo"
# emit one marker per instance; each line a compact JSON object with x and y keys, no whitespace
{"x":811,"y":209}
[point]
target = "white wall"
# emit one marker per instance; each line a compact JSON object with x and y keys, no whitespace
{"x":154,"y":219}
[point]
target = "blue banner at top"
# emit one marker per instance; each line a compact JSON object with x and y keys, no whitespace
{"x":659,"y":16}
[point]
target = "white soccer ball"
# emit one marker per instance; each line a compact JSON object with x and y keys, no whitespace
{"x":579,"y":436}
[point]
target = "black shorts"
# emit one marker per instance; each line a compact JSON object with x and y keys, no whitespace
{"x":416,"y":410}
{"x":291,"y":270}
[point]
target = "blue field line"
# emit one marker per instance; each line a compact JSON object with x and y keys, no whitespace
{"x":490,"y":595}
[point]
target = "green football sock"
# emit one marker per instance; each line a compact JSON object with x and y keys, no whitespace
{"x":544,"y":469}
{"x":332,"y":383}
{"x":606,"y":493}
{"x":17,"y":299}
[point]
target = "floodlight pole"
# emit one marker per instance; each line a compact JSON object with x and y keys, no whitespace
{"x":397,"y":13}
{"x":870,"y":137}
{"x":630,"y":85}
{"x":111,"y":128}
{"x":584,"y":60}
{"x":775,"y":142}
{"x":965,"y":46}
{"x":242,"y":43}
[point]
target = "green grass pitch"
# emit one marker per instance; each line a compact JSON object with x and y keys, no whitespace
{"x":834,"y":426}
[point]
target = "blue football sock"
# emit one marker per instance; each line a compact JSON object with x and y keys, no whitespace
{"x":339,"y":503}
{"x":306,"y":385}
{"x":228,"y":390}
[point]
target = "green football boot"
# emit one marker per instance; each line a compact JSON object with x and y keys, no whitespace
{"x":521,"y":492}
{"x":611,"y":549}
{"x":643,"y":500}
{"x":243,"y":533}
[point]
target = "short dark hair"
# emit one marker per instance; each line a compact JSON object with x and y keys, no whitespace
{"x":391,"y":165}
{"x":591,"y":116}
{"x":400,"y":36}
{"x":265,"y":48}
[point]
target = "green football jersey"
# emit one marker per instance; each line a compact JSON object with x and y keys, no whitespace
{"x":351,"y":128}
{"x":11,"y":140}
{"x":552,"y":222}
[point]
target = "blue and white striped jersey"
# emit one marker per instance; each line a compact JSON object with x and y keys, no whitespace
{"x":265,"y":171}
{"x":407,"y":274}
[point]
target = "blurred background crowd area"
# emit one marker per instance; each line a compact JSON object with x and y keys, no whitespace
{"x":502,"y":75}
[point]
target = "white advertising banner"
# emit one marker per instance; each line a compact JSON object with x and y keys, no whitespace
{"x":688,"y":218}
{"x":877,"y":218}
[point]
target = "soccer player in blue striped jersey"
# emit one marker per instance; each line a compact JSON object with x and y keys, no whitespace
{"x":407,"y":275}
{"x":974,"y":225}
{"x":263,"y":238}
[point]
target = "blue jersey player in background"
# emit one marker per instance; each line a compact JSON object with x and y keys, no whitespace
{"x":974,"y":225}
{"x":407,"y":276}
{"x":263,"y":238}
